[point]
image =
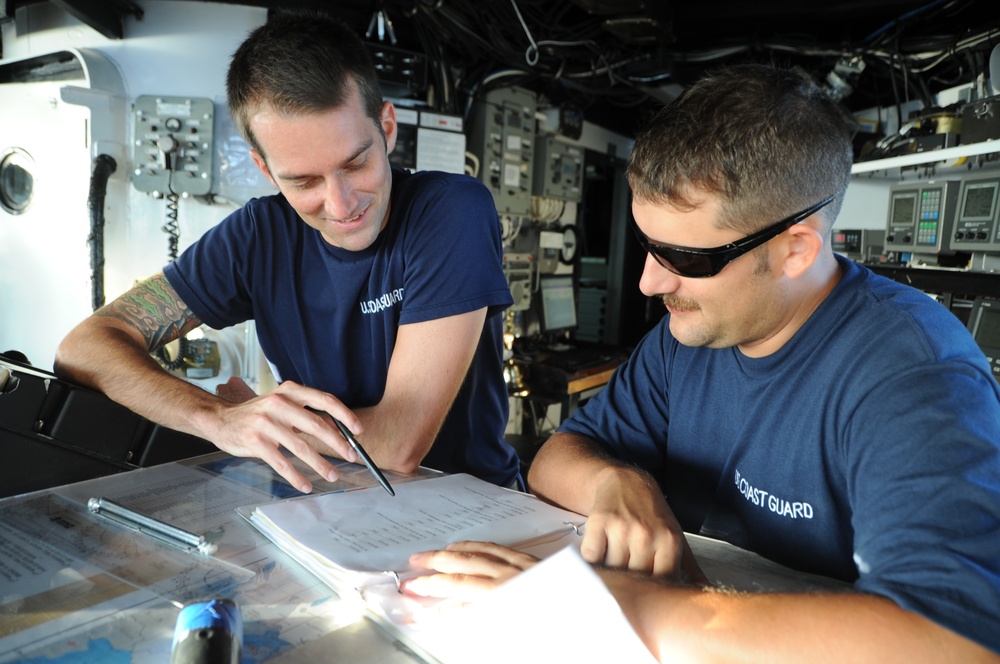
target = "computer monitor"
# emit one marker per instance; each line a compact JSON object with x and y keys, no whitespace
{"x":558,"y":303}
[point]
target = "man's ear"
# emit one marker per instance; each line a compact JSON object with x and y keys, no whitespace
{"x":258,"y":159}
{"x":388,"y":120}
{"x":803,"y":247}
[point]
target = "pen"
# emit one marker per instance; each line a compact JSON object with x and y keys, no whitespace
{"x":360,"y":451}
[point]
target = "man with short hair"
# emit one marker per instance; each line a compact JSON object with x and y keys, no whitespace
{"x":376,"y":292}
{"x":792,"y":403}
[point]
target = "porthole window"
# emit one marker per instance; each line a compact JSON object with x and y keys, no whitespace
{"x":16,"y":180}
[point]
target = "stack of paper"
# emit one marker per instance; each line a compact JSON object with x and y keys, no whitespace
{"x":360,"y":538}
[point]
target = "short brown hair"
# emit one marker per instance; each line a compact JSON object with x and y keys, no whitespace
{"x":300,"y":62}
{"x":768,"y":141}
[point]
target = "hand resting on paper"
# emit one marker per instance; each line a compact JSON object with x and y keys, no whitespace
{"x":465,"y":570}
{"x":630,"y":526}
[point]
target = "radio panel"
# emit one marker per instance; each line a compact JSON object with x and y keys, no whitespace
{"x":520,"y":271}
{"x":558,"y":170}
{"x":172,"y":151}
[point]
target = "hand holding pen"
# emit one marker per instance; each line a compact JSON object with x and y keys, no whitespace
{"x":367,"y":460}
{"x":359,"y":450}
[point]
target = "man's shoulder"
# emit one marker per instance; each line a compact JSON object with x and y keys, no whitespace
{"x":887,"y":312}
{"x":889,"y":297}
{"x":434,"y":183}
{"x":272,"y":204}
{"x":262,"y":214}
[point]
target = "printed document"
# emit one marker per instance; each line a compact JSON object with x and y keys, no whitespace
{"x":354,"y":538}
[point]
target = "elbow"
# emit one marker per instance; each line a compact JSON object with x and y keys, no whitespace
{"x":407,"y":461}
{"x":62,"y":365}
{"x":406,"y":458}
{"x":405,"y":466}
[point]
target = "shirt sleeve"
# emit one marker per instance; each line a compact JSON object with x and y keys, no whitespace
{"x":453,"y":252}
{"x":212,"y":276}
{"x":924,"y":481}
{"x":630,"y":416}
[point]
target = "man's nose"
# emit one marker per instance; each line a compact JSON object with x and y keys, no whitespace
{"x":656,"y":279}
{"x":338,"y":199}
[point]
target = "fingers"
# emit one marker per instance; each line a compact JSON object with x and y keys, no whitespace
{"x":466,"y":569}
{"x":510,"y":556}
{"x":594,"y":547}
{"x":277,"y":429}
{"x":629,"y":546}
{"x":450,"y":586}
{"x":630,"y":526}
{"x":261,"y":426}
{"x":321,"y":401}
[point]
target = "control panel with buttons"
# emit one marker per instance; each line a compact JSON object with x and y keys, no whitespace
{"x":502,"y":137}
{"x":172,"y":147}
{"x":976,"y":221}
{"x":921,"y":217}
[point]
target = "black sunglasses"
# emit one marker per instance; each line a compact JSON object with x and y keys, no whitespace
{"x":697,"y":263}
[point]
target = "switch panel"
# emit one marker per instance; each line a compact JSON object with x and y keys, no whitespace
{"x":172,"y":148}
{"x":502,"y":136}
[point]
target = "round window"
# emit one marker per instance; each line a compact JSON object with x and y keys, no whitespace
{"x":16,"y":180}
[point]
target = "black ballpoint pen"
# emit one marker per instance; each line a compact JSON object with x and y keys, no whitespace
{"x":360,"y":451}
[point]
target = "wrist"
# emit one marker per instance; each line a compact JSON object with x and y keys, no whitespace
{"x":618,"y":476}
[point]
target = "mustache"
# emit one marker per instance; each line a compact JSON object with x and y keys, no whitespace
{"x":675,"y":302}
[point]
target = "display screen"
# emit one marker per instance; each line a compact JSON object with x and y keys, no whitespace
{"x":987,"y":328}
{"x":558,"y":303}
{"x":904,"y":208}
{"x":979,"y":201}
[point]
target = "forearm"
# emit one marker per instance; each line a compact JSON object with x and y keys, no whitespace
{"x":399,"y":432}
{"x":569,"y":470}
{"x":695,"y":625}
{"x":105,"y":358}
{"x":428,"y":366}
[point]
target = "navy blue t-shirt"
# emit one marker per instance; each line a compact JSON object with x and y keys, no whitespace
{"x":327,"y":317}
{"x":866,"y":449}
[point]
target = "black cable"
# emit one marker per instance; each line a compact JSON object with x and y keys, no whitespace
{"x":103,"y":167}
{"x":172,"y":229}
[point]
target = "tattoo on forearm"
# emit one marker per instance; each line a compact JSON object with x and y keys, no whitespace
{"x":154,"y":310}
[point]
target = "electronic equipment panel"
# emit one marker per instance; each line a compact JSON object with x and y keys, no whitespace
{"x":984,"y":324}
{"x":859,"y":244}
{"x":976,"y":220}
{"x":172,"y":150}
{"x":921,"y":217}
{"x":558,"y":169}
{"x":427,"y":141}
{"x":558,"y":303}
{"x":502,"y":137}
{"x":519,"y":269}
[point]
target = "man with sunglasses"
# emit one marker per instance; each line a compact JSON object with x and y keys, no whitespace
{"x":791,"y":402}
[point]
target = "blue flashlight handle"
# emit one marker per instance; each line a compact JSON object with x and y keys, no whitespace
{"x":208,"y":632}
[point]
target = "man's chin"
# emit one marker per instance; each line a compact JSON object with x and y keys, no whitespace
{"x":688,"y":335}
